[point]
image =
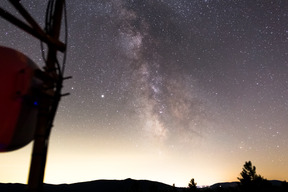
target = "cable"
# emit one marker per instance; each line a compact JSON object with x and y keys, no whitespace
{"x":48,"y":27}
{"x":65,"y":38}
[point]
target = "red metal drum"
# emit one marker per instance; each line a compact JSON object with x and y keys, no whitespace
{"x":18,"y":99}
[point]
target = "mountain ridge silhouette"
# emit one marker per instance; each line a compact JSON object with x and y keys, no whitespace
{"x":126,"y":185}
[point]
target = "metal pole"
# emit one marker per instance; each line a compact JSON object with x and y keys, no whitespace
{"x":32,"y":31}
{"x":47,"y":108}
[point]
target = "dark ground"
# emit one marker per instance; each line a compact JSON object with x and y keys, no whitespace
{"x":130,"y":185}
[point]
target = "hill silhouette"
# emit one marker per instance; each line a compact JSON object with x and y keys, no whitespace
{"x":127,"y":185}
{"x":131,"y":185}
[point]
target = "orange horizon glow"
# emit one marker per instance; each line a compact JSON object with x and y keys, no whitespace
{"x":72,"y":163}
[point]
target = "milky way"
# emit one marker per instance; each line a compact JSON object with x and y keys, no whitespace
{"x":164,"y":97}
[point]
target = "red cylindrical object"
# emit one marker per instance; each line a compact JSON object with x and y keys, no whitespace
{"x":18,"y":99}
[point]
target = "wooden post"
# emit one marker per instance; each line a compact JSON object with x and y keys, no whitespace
{"x":47,"y":108}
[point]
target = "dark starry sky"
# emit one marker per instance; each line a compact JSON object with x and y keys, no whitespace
{"x":166,"y":90}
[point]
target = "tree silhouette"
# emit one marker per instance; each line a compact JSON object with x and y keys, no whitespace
{"x":248,"y":173}
{"x":192,"y":186}
{"x":249,"y":179}
{"x":174,"y":189}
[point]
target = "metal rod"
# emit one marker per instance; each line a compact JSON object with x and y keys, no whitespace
{"x":42,"y":36}
{"x":27,"y":16}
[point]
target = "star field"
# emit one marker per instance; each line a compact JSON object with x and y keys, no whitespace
{"x":193,"y":87}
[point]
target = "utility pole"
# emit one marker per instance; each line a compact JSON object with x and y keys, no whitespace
{"x":47,"y":106}
{"x":52,"y":78}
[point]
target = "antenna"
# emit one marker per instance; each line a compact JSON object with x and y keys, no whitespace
{"x":52,"y":80}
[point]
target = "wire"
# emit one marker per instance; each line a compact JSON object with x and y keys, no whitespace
{"x":48,"y":27}
{"x":49,"y":16}
{"x":65,"y":38}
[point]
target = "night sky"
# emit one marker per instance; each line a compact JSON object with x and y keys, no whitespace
{"x":164,"y":90}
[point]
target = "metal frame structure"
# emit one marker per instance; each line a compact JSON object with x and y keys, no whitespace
{"x":52,"y":78}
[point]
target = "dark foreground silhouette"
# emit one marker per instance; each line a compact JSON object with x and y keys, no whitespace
{"x":130,"y":185}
